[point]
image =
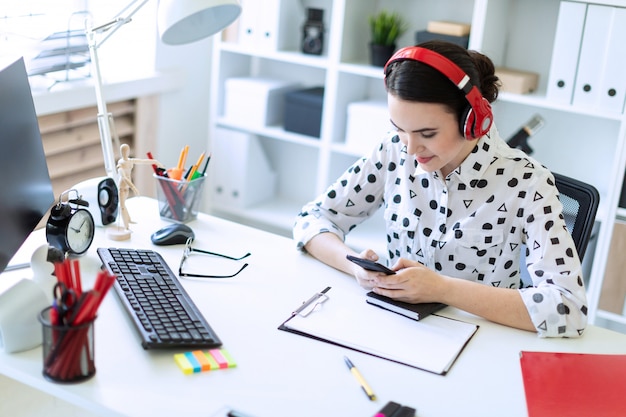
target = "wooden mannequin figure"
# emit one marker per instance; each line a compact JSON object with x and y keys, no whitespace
{"x":125,"y":184}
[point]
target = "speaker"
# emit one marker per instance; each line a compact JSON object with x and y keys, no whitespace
{"x":103,"y":197}
{"x":313,"y":32}
{"x":478,"y":117}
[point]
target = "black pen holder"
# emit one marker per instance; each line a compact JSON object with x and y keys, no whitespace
{"x":68,"y":350}
{"x":179,"y":200}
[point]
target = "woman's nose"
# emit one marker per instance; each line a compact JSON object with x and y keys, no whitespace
{"x":413,"y":145}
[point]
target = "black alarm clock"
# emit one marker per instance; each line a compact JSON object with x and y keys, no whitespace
{"x":70,"y":227}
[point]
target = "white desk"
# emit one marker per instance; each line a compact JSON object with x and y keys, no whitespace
{"x":279,"y":373}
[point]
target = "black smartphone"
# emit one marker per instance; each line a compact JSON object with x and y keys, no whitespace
{"x":370,"y":265}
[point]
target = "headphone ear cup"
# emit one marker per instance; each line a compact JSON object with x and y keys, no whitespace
{"x":477,"y":121}
{"x":466,"y":122}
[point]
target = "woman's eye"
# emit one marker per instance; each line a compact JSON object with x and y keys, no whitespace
{"x":428,"y":135}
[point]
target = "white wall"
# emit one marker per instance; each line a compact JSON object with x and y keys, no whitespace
{"x":184,"y":113}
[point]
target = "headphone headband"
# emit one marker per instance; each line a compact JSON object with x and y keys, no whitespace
{"x":478,"y":118}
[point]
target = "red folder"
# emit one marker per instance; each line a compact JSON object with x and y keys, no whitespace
{"x":574,"y":384}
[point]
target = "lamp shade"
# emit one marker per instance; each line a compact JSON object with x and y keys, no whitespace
{"x":186,"y":21}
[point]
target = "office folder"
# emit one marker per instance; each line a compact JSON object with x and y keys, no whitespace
{"x":569,"y":32}
{"x":612,"y":89}
{"x":574,"y":384}
{"x":593,"y":51}
{"x":345,"y":319}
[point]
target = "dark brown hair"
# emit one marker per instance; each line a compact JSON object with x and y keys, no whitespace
{"x":412,"y":80}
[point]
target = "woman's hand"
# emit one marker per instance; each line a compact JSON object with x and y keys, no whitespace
{"x":412,"y":283}
{"x":366,"y":279}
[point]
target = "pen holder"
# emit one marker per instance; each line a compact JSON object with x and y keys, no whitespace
{"x":179,"y":200}
{"x":68,"y":351}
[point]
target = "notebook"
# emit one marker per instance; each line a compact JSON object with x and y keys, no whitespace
{"x":413,"y":311}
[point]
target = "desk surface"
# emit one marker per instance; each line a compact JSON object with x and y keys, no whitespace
{"x":279,"y":373}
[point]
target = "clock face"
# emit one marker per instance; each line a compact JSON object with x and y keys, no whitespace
{"x":80,"y":231}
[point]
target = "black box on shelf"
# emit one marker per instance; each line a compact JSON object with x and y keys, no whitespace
{"x":424,"y":36}
{"x":303,"y":111}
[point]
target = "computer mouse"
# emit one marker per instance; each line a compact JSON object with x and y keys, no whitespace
{"x":172,"y":234}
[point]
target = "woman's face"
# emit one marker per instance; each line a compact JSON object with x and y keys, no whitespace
{"x":430,"y":133}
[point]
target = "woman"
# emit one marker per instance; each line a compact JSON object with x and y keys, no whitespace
{"x":459,"y":204}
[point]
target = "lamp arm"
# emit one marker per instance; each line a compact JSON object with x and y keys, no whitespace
{"x":103,"y":114}
{"x":105,"y":119}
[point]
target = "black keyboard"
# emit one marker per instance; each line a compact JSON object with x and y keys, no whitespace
{"x":163,"y":313}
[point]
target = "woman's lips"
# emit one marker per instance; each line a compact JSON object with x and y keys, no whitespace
{"x":423,"y":159}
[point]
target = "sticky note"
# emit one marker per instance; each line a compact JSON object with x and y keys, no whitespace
{"x":219,"y":358}
{"x":205,"y":365}
{"x":183,"y":363}
{"x":229,"y":359}
{"x":193,"y":361}
{"x":201,"y":361}
{"x":212,"y":362}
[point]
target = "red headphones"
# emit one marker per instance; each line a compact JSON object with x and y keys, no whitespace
{"x":477,"y":119}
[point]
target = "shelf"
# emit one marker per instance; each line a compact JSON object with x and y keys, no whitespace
{"x":294,"y":57}
{"x":361,"y":68}
{"x":538,"y":99}
{"x":585,"y":143}
{"x":274,"y":132}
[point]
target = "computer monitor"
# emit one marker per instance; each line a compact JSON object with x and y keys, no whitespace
{"x":25,"y":188}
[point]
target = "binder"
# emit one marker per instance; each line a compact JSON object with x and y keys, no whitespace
{"x":269,"y":25}
{"x":612,"y":89}
{"x":593,"y":53}
{"x":345,"y":319}
{"x":242,"y":174}
{"x":565,"y":53}
{"x":573,"y":384}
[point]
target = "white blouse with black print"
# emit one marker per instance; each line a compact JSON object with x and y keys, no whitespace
{"x":473,"y":224}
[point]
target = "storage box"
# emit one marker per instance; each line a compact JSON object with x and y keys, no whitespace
{"x":424,"y":36}
{"x":367,"y":123}
{"x":303,"y":111}
{"x":256,"y":102}
{"x":515,"y":81}
{"x":449,"y":28}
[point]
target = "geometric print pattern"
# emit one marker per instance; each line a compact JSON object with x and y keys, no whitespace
{"x":472,"y":224}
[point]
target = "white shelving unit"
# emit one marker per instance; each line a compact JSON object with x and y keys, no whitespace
{"x":587,"y":144}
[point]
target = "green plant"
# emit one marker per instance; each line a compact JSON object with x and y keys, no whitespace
{"x":386,"y":27}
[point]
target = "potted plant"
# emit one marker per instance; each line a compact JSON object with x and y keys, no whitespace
{"x":386,"y":27}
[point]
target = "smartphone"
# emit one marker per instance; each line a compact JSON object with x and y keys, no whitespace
{"x":370,"y":265}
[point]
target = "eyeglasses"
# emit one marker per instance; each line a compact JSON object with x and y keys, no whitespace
{"x":189,"y":249}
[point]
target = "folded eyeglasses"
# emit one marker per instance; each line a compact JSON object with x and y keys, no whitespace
{"x":187,"y":252}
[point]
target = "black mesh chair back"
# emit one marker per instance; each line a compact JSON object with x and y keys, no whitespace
{"x":580,"y":205}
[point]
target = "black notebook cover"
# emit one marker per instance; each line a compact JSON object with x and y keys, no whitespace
{"x":414,"y":311}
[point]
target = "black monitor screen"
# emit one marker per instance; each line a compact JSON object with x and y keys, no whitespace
{"x":25,"y":188}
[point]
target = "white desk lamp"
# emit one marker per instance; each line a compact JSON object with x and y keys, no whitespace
{"x":179,"y":22}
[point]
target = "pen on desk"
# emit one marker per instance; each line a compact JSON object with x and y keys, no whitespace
{"x":360,"y":379}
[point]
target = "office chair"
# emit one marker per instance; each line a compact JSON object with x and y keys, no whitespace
{"x":580,"y":204}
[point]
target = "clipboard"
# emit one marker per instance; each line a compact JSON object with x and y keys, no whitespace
{"x":345,"y":319}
